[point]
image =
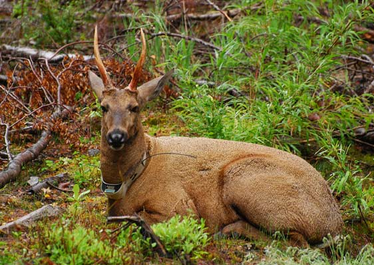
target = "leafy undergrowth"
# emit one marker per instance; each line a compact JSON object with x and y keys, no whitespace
{"x":296,"y":75}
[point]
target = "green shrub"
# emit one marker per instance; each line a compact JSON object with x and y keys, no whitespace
{"x":183,"y":236}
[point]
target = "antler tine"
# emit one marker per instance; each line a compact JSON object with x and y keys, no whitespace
{"x":99,"y":62}
{"x":139,"y":65}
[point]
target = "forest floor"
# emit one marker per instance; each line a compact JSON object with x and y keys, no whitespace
{"x":210,"y":90}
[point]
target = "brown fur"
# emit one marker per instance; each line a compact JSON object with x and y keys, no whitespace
{"x":236,"y":187}
{"x":230,"y":181}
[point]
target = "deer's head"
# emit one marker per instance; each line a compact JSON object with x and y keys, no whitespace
{"x":121,"y":107}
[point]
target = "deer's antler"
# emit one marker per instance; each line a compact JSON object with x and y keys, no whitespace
{"x":99,"y":62}
{"x":139,"y":65}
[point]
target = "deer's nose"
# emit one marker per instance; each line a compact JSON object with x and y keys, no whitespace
{"x":117,"y":138}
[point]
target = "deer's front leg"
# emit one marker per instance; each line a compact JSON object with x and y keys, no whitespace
{"x":151,"y":217}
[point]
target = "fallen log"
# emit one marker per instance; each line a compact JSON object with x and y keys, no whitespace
{"x":15,"y":165}
{"x":27,"y":220}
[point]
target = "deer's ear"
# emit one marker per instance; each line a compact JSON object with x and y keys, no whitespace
{"x":150,"y":90}
{"x":96,"y":84}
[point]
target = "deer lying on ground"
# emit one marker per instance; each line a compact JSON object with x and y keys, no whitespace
{"x":237,"y":187}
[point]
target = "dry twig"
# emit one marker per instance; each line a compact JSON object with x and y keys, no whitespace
{"x":219,"y":9}
{"x":15,"y":98}
{"x":46,"y":93}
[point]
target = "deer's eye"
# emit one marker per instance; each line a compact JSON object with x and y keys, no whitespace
{"x":104,"y":108}
{"x":134,"y":109}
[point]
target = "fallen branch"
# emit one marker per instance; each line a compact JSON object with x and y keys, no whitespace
{"x":366,"y":59}
{"x":57,"y":188}
{"x":146,"y":230}
{"x":212,"y":15}
{"x":46,"y":211}
{"x":37,"y":54}
{"x":14,"y":167}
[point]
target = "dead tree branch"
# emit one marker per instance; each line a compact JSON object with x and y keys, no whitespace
{"x":366,"y":59}
{"x":146,"y":231}
{"x":212,"y":15}
{"x":14,"y":167}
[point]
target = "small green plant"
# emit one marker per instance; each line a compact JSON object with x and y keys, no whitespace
{"x":184,"y":236}
{"x":77,"y":198}
{"x":95,"y":111}
{"x":50,"y":165}
{"x":77,"y":195}
{"x":88,"y":169}
{"x":84,"y":169}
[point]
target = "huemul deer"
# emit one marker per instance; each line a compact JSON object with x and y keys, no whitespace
{"x":237,"y":187}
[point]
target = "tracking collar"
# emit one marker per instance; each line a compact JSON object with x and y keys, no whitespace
{"x":118,"y":191}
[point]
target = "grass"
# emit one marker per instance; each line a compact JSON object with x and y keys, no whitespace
{"x":285,"y":58}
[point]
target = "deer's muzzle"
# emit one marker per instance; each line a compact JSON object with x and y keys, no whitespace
{"x":116,"y":139}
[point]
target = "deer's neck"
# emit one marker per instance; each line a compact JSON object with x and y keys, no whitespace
{"x":115,"y":164}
